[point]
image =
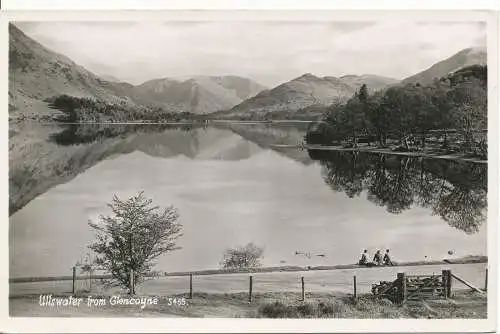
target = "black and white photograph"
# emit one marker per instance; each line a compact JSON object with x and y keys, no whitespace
{"x":250,"y":167}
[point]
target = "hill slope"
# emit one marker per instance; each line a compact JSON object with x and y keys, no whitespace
{"x":36,"y":73}
{"x":304,"y":91}
{"x":465,"y":57}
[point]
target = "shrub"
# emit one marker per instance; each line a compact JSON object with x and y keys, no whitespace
{"x":274,"y":310}
{"x":247,"y":257}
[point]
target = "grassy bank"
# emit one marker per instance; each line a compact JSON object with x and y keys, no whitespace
{"x":464,"y":304}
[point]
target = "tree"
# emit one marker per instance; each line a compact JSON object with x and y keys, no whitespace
{"x":133,"y":236}
{"x":379,"y":118}
{"x":363,"y":94}
{"x":247,"y":257}
{"x":470,"y":112}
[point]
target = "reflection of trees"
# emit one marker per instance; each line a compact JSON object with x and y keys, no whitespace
{"x":462,"y":209}
{"x":391,"y":187}
{"x":346,"y":174}
{"x":456,"y":191}
{"x":89,"y":133}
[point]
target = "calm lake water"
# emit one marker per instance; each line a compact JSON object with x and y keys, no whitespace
{"x":232,"y":186}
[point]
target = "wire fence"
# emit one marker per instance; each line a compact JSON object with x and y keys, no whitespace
{"x":349,"y":281}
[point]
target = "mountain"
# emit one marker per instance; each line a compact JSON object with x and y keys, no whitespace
{"x":304,"y":91}
{"x":373,"y":82}
{"x":198,"y":94}
{"x":465,"y":57}
{"x":109,"y":78}
{"x":37,"y":73}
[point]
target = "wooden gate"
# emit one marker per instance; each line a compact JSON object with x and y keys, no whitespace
{"x":415,"y":287}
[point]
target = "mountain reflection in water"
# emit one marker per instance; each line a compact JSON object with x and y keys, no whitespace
{"x":456,"y":191}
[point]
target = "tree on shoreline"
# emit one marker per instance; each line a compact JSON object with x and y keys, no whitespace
{"x":133,"y":236}
{"x":407,"y":114}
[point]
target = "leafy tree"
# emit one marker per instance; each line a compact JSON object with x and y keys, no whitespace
{"x":363,"y":94}
{"x":379,"y":116}
{"x":133,"y":236}
{"x":247,"y":257}
{"x":455,"y":102}
{"x":470,"y":110}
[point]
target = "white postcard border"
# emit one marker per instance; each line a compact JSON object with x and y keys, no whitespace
{"x":258,"y":325}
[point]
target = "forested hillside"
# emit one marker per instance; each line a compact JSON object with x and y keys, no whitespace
{"x":412,"y":115}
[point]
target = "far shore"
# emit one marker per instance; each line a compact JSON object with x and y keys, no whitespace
{"x":463,"y":260}
{"x":146,"y":122}
{"x":368,"y":149}
{"x":388,"y":151}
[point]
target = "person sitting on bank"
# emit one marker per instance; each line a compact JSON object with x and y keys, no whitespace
{"x":387,"y":259}
{"x":377,"y":258}
{"x":364,"y":258}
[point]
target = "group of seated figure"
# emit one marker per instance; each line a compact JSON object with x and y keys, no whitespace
{"x":378,"y":260}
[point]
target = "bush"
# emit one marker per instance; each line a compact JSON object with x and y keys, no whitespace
{"x":247,"y":257}
{"x":274,"y":310}
{"x":310,"y":309}
{"x":326,"y":309}
{"x":306,"y":310}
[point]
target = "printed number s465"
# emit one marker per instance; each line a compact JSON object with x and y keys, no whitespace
{"x":176,"y":301}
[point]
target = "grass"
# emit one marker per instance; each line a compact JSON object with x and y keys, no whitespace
{"x":464,"y":304}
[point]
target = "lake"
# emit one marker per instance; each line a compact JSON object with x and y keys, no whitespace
{"x":231,"y":187}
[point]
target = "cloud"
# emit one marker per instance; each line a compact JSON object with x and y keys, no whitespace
{"x":269,"y":52}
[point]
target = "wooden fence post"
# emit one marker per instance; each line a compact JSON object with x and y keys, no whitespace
{"x":486,"y":281}
{"x":191,"y":286}
{"x":402,"y":292}
{"x":250,"y":289}
{"x":303,"y":290}
{"x":444,"y":280}
{"x":74,"y":280}
{"x":447,"y":274}
{"x":131,"y":282}
{"x":355,"y":288}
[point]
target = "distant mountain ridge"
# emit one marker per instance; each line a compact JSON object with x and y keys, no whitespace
{"x":307,"y":90}
{"x":37,"y":73}
{"x":198,"y":94}
{"x":463,"y":58}
{"x":374,"y":82}
{"x":304,"y":96}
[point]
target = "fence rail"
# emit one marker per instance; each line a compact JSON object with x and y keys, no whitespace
{"x":304,"y":284}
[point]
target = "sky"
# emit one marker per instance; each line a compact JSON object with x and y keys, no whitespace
{"x":268,"y":52}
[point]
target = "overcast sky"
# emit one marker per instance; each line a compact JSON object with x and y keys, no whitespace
{"x":268,"y":52}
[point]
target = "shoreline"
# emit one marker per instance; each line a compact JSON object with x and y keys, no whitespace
{"x":384,"y":151}
{"x":463,"y":260}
